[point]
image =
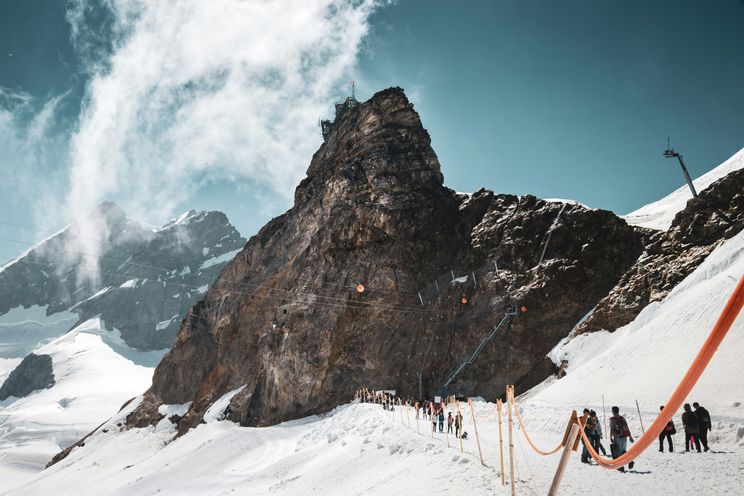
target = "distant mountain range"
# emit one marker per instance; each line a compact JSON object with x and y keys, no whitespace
{"x":148,"y":278}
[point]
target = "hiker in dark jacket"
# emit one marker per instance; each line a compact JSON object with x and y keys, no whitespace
{"x":595,"y":434}
{"x":619,"y":435}
{"x":668,"y":432}
{"x":703,"y":423}
{"x":588,"y":427}
{"x":450,"y":421}
{"x":692,"y":431}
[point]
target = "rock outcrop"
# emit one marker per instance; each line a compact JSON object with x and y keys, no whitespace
{"x":34,"y":372}
{"x":285,"y":318}
{"x":714,"y":216}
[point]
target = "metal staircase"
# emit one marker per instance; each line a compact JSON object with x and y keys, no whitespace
{"x":510,"y":312}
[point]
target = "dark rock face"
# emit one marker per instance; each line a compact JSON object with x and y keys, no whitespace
{"x":149,"y":277}
{"x":34,"y":372}
{"x":284,"y":317}
{"x":716,"y":215}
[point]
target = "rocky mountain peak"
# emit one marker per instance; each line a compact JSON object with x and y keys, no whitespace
{"x":285,"y":324}
{"x":378,"y":151}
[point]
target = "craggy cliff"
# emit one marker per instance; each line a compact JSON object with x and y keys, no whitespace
{"x":714,"y":216}
{"x":285,"y":318}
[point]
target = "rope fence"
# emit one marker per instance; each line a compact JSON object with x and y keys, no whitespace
{"x":575,"y":429}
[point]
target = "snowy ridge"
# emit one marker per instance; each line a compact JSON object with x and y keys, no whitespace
{"x":660,"y":214}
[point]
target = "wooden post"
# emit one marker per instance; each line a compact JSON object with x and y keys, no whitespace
{"x":408,"y":418}
{"x":431,"y":416}
{"x":475,"y":428}
{"x":400,"y":405}
{"x":501,"y":443}
{"x":445,"y":419}
{"x":604,"y":417}
{"x":573,"y":436}
{"x":639,"y":417}
{"x":509,"y":393}
{"x":458,"y":418}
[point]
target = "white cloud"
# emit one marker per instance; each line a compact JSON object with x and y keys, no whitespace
{"x":195,"y":91}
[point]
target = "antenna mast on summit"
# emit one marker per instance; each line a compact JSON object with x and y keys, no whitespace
{"x":671,"y":153}
{"x":353,"y":85}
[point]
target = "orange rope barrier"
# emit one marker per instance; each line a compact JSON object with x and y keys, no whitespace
{"x":527,"y":436}
{"x":721,"y":328}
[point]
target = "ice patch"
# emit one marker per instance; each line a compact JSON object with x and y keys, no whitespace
{"x":216,"y":412}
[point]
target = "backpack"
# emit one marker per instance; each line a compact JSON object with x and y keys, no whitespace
{"x":670,"y":429}
{"x":619,"y":426}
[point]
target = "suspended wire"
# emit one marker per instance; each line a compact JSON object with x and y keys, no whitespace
{"x":243,"y":284}
{"x":344,"y":303}
{"x":180,"y":258}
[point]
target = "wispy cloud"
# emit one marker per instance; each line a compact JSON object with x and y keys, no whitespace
{"x":191,"y":91}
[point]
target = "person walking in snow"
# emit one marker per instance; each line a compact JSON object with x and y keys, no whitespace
{"x":668,"y":432}
{"x":588,"y":427}
{"x":703,"y":423}
{"x":450,"y":421}
{"x":595,"y":435}
{"x":433,"y":416}
{"x":619,"y":435}
{"x":441,"y":419}
{"x":417,"y":407}
{"x":692,"y":428}
{"x":458,"y":424}
{"x":426,"y":410}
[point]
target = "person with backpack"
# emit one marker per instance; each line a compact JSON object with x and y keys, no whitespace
{"x":450,"y":421}
{"x":692,"y":428}
{"x":703,"y":423}
{"x":619,"y":435}
{"x":668,"y":432}
{"x":595,"y":435}
{"x":458,"y":424}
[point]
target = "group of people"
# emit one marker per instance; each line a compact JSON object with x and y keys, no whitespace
{"x":696,"y":423}
{"x":429,"y":410}
{"x":696,"y":426}
{"x":433,"y":411}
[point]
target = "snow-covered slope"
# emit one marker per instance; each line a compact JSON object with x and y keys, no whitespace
{"x":92,"y":382}
{"x":361,"y":449}
{"x":660,"y":214}
{"x":645,"y":359}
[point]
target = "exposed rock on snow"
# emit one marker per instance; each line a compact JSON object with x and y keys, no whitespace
{"x":34,"y":372}
{"x":714,"y":216}
{"x":661,"y":213}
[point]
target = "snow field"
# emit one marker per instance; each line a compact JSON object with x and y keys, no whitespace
{"x":92,"y":381}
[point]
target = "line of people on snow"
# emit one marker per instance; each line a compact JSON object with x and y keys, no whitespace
{"x":425,"y":410}
{"x":696,"y":426}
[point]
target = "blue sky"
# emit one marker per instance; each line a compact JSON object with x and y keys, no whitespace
{"x":570,"y":99}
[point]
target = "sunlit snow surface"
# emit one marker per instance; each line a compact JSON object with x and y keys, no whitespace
{"x":92,"y":382}
{"x":361,"y":449}
{"x":660,"y":214}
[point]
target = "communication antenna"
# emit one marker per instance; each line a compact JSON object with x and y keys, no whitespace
{"x":353,"y":85}
{"x":671,"y":153}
